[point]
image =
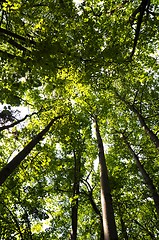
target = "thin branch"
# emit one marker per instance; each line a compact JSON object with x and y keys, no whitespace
{"x":28,"y":224}
{"x":15,"y":220}
{"x":9,"y":55}
{"x":17,"y":122}
{"x":119,"y":7}
{"x":145,"y":229}
{"x":11,"y":34}
{"x":135,"y":96}
{"x":17,"y":45}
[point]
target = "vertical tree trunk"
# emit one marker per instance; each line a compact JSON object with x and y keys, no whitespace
{"x":14,"y":163}
{"x":76,"y":184}
{"x":109,"y":226}
{"x":145,"y":175}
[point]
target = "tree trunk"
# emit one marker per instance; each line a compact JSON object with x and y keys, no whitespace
{"x":14,"y":163}
{"x":74,"y":216}
{"x":151,"y":134}
{"x":95,"y":208}
{"x":109,"y":226}
{"x":145,"y":175}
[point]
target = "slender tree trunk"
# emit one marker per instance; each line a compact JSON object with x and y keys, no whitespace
{"x":151,"y":134}
{"x":74,"y":216}
{"x":145,"y":175}
{"x":99,"y":214}
{"x":14,"y":163}
{"x":97,"y":211}
{"x":109,"y":226}
{"x":95,"y":208}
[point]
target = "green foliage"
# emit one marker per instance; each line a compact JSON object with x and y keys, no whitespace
{"x":63,"y":58}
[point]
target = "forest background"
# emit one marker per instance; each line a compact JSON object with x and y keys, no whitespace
{"x":83,"y":162}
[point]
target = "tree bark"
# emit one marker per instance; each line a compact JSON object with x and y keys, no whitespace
{"x":143,"y":124}
{"x":151,"y":134}
{"x":14,"y":163}
{"x":76,"y":183}
{"x":109,"y":226}
{"x":145,"y":175}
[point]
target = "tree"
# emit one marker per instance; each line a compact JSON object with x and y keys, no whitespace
{"x":80,"y":61}
{"x":106,"y":200}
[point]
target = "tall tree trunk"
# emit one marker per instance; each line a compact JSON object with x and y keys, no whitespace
{"x":151,"y":134}
{"x":14,"y":163}
{"x":109,"y":226}
{"x":74,"y":217}
{"x":145,"y":175}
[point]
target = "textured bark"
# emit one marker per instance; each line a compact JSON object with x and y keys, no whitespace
{"x":74,"y":216}
{"x":145,"y":175}
{"x":14,"y":163}
{"x":109,"y":226}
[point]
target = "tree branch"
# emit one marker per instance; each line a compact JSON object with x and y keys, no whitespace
{"x":141,"y":10}
{"x":17,"y":122}
{"x":11,"y":34}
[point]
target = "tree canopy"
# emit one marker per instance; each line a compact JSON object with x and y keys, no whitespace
{"x":79,"y":119}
